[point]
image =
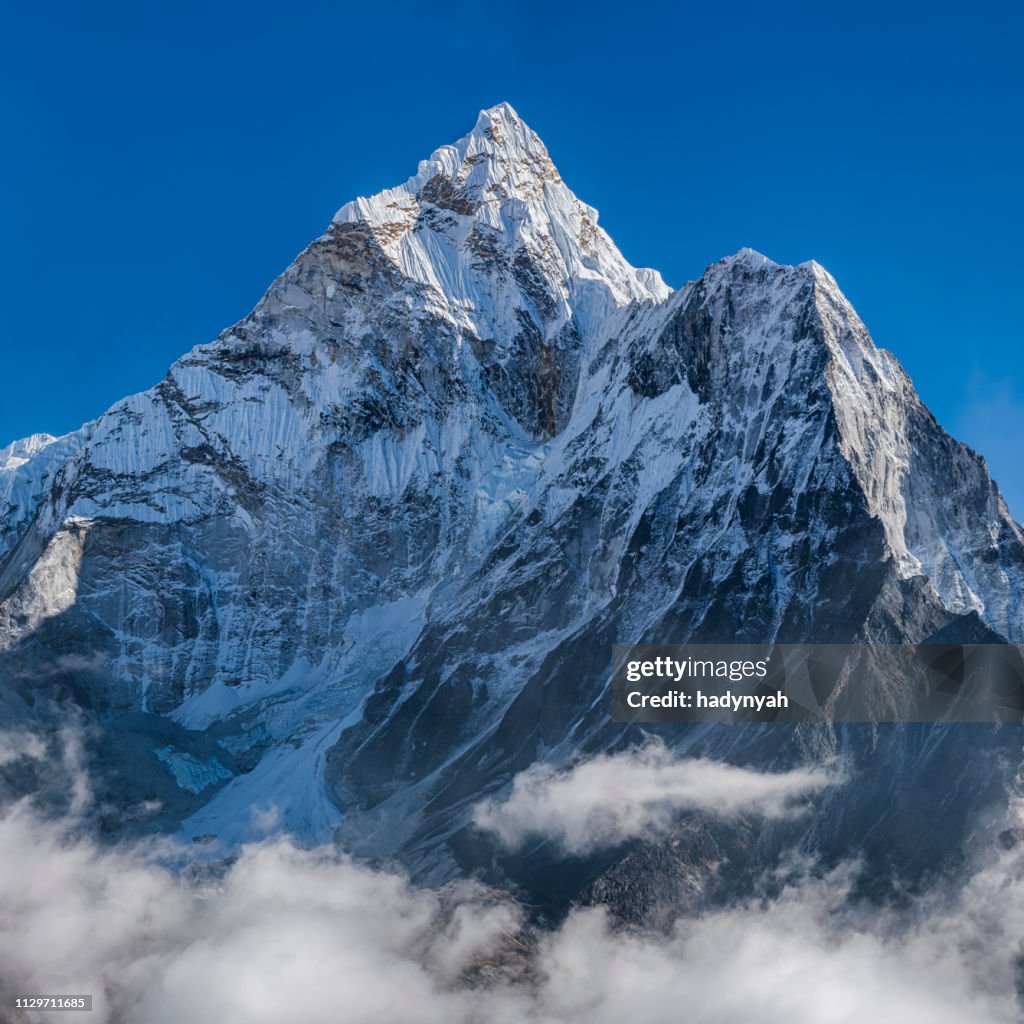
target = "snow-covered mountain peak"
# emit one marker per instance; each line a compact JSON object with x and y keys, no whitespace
{"x":27,"y":469}
{"x":491,"y":233}
{"x":748,"y":266}
{"x":502,"y":155}
{"x":379,"y":537}
{"x":503,"y":115}
{"x":748,"y":257}
{"x":503,"y":136}
{"x":19,"y":452}
{"x":749,"y":261}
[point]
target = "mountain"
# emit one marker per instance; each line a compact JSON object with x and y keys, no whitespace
{"x":362,"y":558}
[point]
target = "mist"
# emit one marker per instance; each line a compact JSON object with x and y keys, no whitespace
{"x":282,"y":933}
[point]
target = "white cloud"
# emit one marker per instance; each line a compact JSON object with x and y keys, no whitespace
{"x":14,"y":746}
{"x":63,"y":761}
{"x":795,"y":960}
{"x":285,"y":934}
{"x":72,"y":761}
{"x":265,"y":819}
{"x":637,"y":793}
{"x":288,"y":935}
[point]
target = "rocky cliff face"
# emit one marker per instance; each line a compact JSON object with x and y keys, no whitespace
{"x":363,"y":556}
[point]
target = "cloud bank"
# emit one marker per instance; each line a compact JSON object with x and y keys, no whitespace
{"x":293,"y":935}
{"x":283,"y":935}
{"x":637,"y":794}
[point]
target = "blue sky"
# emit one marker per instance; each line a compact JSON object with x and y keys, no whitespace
{"x":161,"y":163}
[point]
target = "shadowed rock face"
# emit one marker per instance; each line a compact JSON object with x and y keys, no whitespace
{"x":364,"y":556}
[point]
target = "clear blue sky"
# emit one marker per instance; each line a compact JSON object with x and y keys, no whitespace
{"x":162,"y":162}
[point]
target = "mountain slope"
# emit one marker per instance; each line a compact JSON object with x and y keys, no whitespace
{"x":362,"y":557}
